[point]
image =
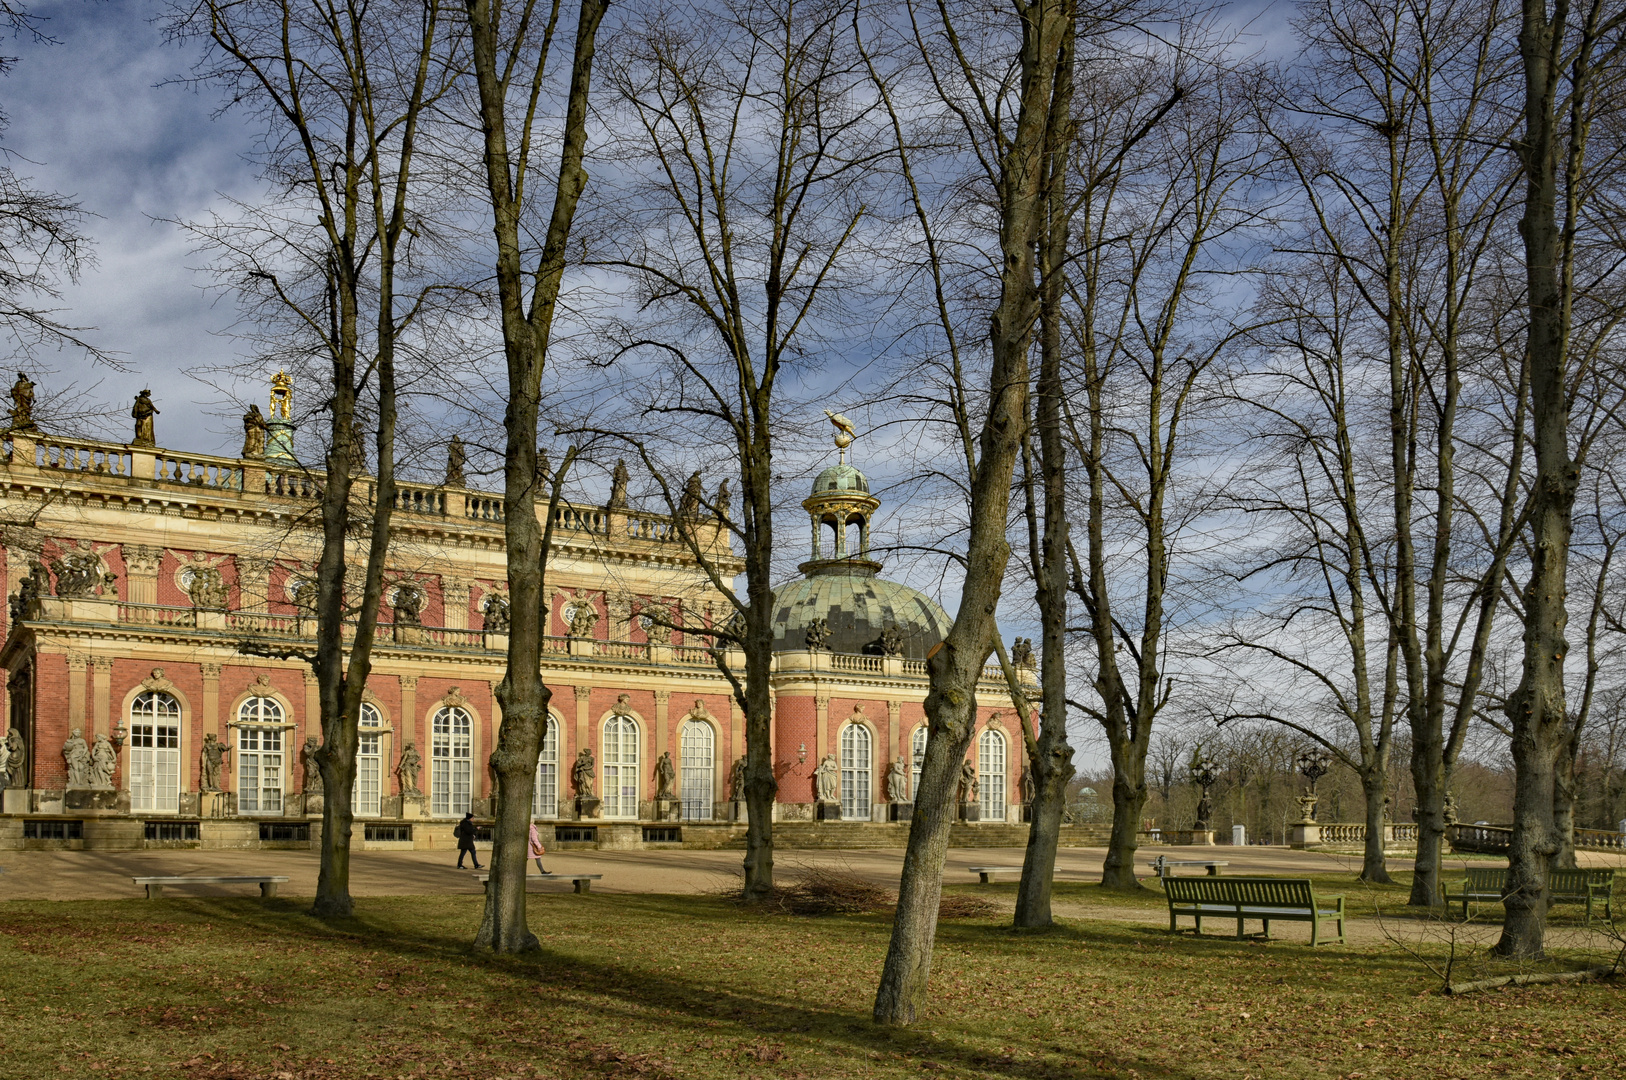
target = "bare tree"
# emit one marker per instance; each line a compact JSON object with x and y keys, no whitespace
{"x":341,"y":89}
{"x":1571,"y":62}
{"x":1013,"y":120}
{"x":512,"y":44}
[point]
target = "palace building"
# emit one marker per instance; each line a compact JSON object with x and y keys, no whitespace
{"x":147,"y":589}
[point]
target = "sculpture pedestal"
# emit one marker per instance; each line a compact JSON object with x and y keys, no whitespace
{"x":414,"y":806}
{"x":1304,"y":834}
{"x":900,"y":811}
{"x":216,"y":804}
{"x":15,"y":801}
{"x":667,"y":809}
{"x":737,"y":811}
{"x":970,"y":811}
{"x":827,"y":811}
{"x":1194,"y":837}
{"x":588,"y":807}
{"x":96,"y":801}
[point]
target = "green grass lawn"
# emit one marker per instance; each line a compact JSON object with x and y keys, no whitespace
{"x":661,"y":986}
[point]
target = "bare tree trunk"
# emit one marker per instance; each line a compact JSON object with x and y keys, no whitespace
{"x":526,"y":330}
{"x":951,"y":703}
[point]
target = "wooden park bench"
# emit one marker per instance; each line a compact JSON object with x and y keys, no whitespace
{"x":583,"y":882}
{"x":1267,"y":899}
{"x":1488,"y":885}
{"x":155,"y":885}
{"x":985,"y":874}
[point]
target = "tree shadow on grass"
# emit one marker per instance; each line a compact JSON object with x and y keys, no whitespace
{"x":687,"y":1007}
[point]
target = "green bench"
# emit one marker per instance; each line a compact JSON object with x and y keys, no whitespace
{"x":1267,"y":899}
{"x":1488,"y":885}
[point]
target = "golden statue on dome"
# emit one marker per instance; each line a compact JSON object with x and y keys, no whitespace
{"x":282,"y":395}
{"x":844,"y":433}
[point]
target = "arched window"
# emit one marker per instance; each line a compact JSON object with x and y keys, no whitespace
{"x":259,"y":756}
{"x":855,"y":772}
{"x":991,"y":774}
{"x":621,"y":767}
{"x":451,"y":768}
{"x":545,"y":796}
{"x":699,"y":770}
{"x":155,"y":753}
{"x":369,"y":790}
{"x":917,"y":754}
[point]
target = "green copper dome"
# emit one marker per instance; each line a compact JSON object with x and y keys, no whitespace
{"x":841,"y":478}
{"x":858,"y":606}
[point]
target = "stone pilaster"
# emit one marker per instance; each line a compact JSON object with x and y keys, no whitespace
{"x":663,"y":698}
{"x":821,"y":734}
{"x":313,"y":706}
{"x":141,"y":562}
{"x":211,"y":699}
{"x":455,"y":601}
{"x":78,"y":663}
{"x":253,"y":583}
{"x":584,"y":696}
{"x":409,"y":723}
{"x":891,"y":736}
{"x":101,"y":694}
{"x":620,"y":608}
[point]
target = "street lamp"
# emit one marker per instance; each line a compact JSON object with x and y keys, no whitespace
{"x":1204,"y":772}
{"x":1313,"y":765}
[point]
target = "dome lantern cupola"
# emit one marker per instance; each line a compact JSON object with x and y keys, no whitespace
{"x":840,"y":500}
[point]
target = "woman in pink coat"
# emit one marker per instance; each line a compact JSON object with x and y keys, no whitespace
{"x":537,"y":849}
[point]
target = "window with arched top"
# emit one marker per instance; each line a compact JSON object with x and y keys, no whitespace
{"x":545,"y":796}
{"x":368,"y":793}
{"x":259,"y":756}
{"x":621,"y":767}
{"x":856,"y":764}
{"x":699,"y":776}
{"x":155,"y":753}
{"x":451,"y":761}
{"x":991,"y":774}
{"x":917,"y":755}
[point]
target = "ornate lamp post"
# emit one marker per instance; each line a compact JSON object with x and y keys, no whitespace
{"x":1313,"y":765}
{"x":1204,"y":772}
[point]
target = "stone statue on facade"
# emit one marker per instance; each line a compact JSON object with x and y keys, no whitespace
{"x":408,"y":604}
{"x":457,"y":456}
{"x":665,"y":776}
{"x":496,"y":613}
{"x":736,"y":780}
{"x":1027,"y":786}
{"x":102,"y":759}
{"x":313,"y":771}
{"x":142,"y":413}
{"x":817,"y":634}
{"x":78,"y":573}
{"x":583,"y":616}
{"x":1022,"y":652}
{"x":16,"y":758}
{"x":22,"y":404}
{"x":212,"y":755}
{"x":25,"y":603}
{"x":720,"y":501}
{"x":897,"y":782}
{"x":689,"y":505}
{"x":1450,"y":809}
{"x":969,"y":785}
{"x":254,"y":433}
{"x":543,"y":472}
{"x":827,"y":779}
{"x":618,"y":486}
{"x":76,"y":752}
{"x":890,"y":643}
{"x":206,"y":588}
{"x":408,"y":770}
{"x":658,"y":633}
{"x":5,"y":764}
{"x":581,"y":774}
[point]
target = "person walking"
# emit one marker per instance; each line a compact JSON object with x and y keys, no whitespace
{"x":537,"y":850}
{"x":465,"y":840}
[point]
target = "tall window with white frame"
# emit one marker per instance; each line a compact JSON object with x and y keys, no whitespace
{"x":259,"y":756}
{"x":545,"y":796}
{"x":856,"y":758}
{"x":155,"y":753}
{"x":621,"y":767}
{"x":991,"y":774}
{"x":917,"y":755}
{"x":367,"y":796}
{"x":451,"y":764}
{"x":699,"y":777}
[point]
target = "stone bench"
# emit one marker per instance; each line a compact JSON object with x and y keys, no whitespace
{"x":583,"y":882}
{"x":155,"y":885}
{"x":1488,"y":885}
{"x":1161,"y":866}
{"x":986,"y":873}
{"x":1266,"y":899}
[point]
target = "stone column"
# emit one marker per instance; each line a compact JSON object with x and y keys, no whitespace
{"x":141,"y":562}
{"x":101,"y":694}
{"x":253,"y":584}
{"x":77,"y":665}
{"x":663,"y":699}
{"x":454,"y":594}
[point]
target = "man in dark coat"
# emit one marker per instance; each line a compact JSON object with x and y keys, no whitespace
{"x":465,"y":840}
